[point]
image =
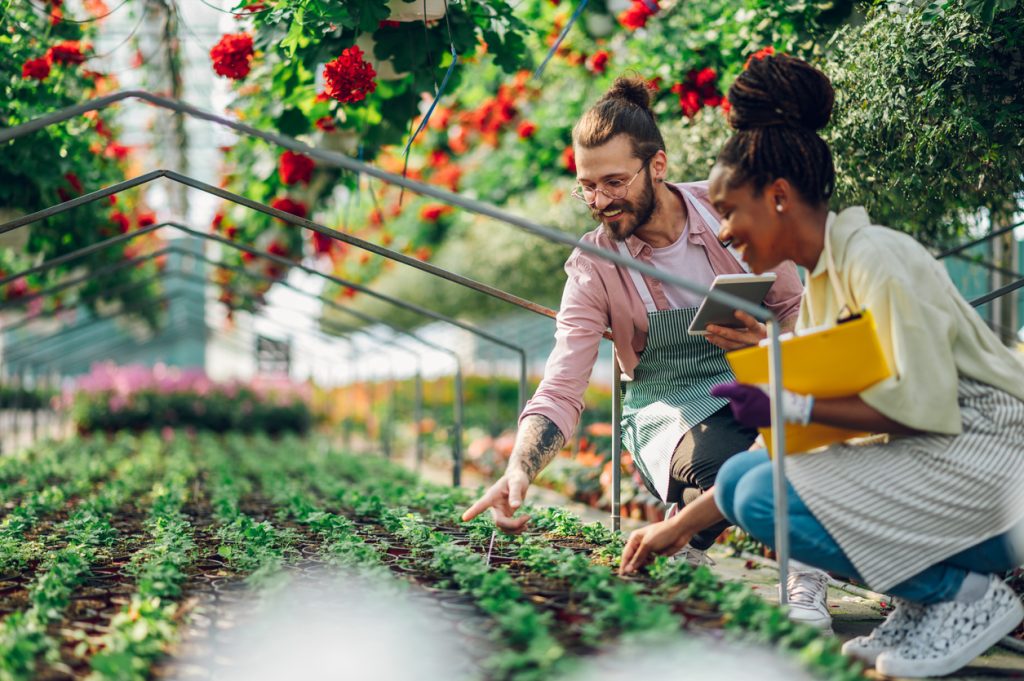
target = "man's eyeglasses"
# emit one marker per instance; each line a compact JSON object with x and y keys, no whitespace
{"x":614,"y":189}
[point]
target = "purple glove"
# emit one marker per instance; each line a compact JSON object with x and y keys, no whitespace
{"x":750,"y":406}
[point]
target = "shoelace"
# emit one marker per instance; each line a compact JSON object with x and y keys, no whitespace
{"x":804,"y":587}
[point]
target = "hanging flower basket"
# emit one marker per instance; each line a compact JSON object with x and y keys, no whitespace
{"x":417,"y":10}
{"x":385,"y":68}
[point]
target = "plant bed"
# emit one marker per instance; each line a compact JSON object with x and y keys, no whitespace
{"x":196,"y":524}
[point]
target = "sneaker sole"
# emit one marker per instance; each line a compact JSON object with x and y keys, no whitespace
{"x":916,"y":669}
{"x":868,"y":656}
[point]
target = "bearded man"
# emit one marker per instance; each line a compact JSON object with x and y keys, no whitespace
{"x":679,"y":435}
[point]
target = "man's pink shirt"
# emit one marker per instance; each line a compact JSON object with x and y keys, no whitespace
{"x":598,"y":295}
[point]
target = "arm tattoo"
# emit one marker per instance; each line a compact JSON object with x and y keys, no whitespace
{"x":537,"y":443}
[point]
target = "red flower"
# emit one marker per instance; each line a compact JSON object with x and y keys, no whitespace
{"x":248,"y":257}
{"x":232,"y":56}
{"x":56,"y":16}
{"x":638,"y":13}
{"x":433,"y":212}
{"x":437,"y":158}
{"x":294,"y":168}
{"x":726,"y":106}
{"x":121,"y":220}
{"x":283,"y":203}
{"x":349,"y":78}
{"x":760,"y":54}
{"x":218,"y":220}
{"x":102,"y":130}
{"x":699,"y":89}
{"x":17,"y":289}
{"x":569,"y":159}
{"x":704,"y":78}
{"x":146,"y":219}
{"x":67,"y":52}
{"x":598,"y":62}
{"x":75,"y":183}
{"x":231,"y":232}
{"x":277,"y":248}
{"x":326,"y":124}
{"x":322,"y":244}
{"x":36,"y":68}
{"x":423,"y":253}
{"x":117,"y":151}
{"x":375,"y":218}
{"x":526,"y":130}
{"x":388,"y":23}
{"x":689,"y":99}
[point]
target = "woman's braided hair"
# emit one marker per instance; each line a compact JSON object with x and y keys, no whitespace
{"x":624,"y":109}
{"x":777,"y":106}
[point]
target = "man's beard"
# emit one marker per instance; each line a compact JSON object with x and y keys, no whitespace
{"x":641,"y":211}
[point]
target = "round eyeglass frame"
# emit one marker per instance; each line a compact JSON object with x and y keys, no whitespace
{"x":580,"y":192}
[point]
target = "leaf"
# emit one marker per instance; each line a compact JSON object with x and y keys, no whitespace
{"x":292,"y":122}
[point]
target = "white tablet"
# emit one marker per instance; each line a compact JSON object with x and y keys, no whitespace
{"x":751,"y":287}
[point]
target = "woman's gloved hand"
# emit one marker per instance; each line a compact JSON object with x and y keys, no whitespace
{"x":751,"y":407}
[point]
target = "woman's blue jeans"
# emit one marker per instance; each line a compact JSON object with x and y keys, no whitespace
{"x":743,"y":493}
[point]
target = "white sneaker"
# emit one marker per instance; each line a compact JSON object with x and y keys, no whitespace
{"x":951,"y":634}
{"x":889,"y":635}
{"x":808,"y":598}
{"x":693,"y":556}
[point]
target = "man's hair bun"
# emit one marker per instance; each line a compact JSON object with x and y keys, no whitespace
{"x":632,"y":90}
{"x":779,"y":90}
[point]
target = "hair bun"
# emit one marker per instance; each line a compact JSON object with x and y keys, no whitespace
{"x":780,"y":90}
{"x":633,"y":90}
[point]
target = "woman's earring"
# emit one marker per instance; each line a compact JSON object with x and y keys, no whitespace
{"x":778,"y":207}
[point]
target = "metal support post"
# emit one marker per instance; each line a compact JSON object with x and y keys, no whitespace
{"x":418,"y":417}
{"x":616,"y":443}
{"x":457,"y":439}
{"x":778,"y":459}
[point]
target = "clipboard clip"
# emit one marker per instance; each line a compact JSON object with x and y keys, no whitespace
{"x":848,"y":315}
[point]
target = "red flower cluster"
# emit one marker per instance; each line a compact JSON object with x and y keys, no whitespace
{"x":434,"y":211}
{"x":760,"y":54}
{"x":491,"y":116}
{"x":638,"y":13}
{"x":526,"y":130}
{"x":322,"y":244}
{"x":36,"y":68}
{"x":294,"y":168}
{"x":283,"y":203}
{"x":569,"y":159}
{"x":349,"y":78}
{"x":598,"y":62}
{"x":699,"y":89}
{"x":121,"y":221}
{"x":232,"y":56}
{"x":146,"y":219}
{"x":67,"y":52}
{"x":326,"y":124}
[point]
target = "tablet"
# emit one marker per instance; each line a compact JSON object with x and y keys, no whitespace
{"x":751,"y":287}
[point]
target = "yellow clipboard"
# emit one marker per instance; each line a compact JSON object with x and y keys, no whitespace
{"x":838,"y":361}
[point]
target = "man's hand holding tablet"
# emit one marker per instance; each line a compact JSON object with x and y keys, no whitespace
{"x":728,"y":328}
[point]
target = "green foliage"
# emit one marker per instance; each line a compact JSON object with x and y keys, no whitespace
{"x":929,"y":117}
{"x":36,"y":169}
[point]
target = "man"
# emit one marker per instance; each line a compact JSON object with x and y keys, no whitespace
{"x":679,"y":435}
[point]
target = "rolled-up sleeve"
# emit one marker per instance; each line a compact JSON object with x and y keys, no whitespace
{"x":784,"y":297}
{"x":581,"y":321}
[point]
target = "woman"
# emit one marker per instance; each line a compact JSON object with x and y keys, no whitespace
{"x":936,"y":513}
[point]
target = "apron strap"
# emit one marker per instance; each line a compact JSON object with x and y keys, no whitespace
{"x":712,"y":221}
{"x":638,"y":280}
